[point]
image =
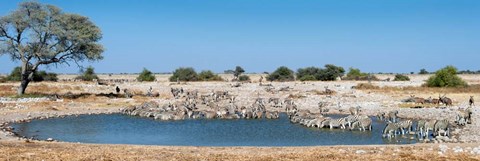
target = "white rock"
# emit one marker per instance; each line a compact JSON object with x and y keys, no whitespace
{"x":443,"y":148}
{"x":360,"y":152}
{"x":457,"y":149}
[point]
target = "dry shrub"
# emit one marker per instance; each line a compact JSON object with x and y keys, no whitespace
{"x":366,"y":86}
{"x":296,"y":96}
{"x":7,"y":90}
{"x":317,"y":92}
{"x":470,"y":89}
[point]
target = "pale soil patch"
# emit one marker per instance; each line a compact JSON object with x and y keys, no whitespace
{"x":307,"y":95}
{"x":72,"y":151}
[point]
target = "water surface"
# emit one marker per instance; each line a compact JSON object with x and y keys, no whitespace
{"x":123,"y":129}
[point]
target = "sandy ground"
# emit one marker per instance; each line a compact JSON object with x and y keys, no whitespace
{"x":306,"y":95}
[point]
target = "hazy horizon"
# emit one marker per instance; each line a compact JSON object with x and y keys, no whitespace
{"x":372,"y":35}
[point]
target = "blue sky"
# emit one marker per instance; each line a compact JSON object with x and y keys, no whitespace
{"x":260,"y":35}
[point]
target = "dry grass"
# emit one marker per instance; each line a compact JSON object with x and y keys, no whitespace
{"x":370,"y":87}
{"x":412,"y":105}
{"x":70,"y":151}
{"x":7,"y":90}
{"x":318,"y":92}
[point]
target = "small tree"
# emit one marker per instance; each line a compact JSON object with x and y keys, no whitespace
{"x":15,"y":75}
{"x":184,"y":74}
{"x":329,"y":73}
{"x":208,"y":75}
{"x":281,"y":74}
{"x":446,"y":77}
{"x":237,"y":72}
{"x":400,"y":77}
{"x":308,"y":73}
{"x":423,"y":71}
{"x":356,"y":74}
{"x":44,"y":76}
{"x":88,"y":75}
{"x":146,"y":76}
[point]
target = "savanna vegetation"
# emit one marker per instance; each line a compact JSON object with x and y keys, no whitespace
{"x":146,"y":76}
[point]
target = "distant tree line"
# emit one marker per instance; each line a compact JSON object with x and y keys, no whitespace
{"x":445,"y":77}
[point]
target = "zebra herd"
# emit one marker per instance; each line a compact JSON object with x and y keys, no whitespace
{"x":353,"y":121}
{"x":423,"y":128}
{"x":191,"y":104}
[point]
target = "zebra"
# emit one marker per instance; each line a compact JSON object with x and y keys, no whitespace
{"x":288,"y":101}
{"x":354,"y":110}
{"x":471,"y":101}
{"x":321,"y":107}
{"x":333,"y":123}
{"x":427,"y":126}
{"x":392,"y":116}
{"x":276,"y":102}
{"x":464,"y":117}
{"x":419,"y":128}
{"x":381,"y":116}
{"x":352,"y":118}
{"x":150,"y":92}
{"x":441,"y":125}
{"x":404,"y":126}
{"x":460,"y":119}
{"x":127,"y":93}
{"x":390,"y":130}
{"x":176,"y":92}
{"x":362,"y":124}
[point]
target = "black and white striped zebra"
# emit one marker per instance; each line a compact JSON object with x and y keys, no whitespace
{"x":390,"y":130}
{"x":441,"y":125}
{"x":393,"y":116}
{"x":405,"y":126}
{"x":352,"y":118}
{"x":336,"y":123}
{"x":425,"y":127}
{"x":362,"y":124}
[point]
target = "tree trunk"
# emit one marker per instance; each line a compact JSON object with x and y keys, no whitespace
{"x":26,"y":77}
{"x":23,"y":86}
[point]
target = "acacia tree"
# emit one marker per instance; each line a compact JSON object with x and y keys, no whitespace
{"x":37,"y":34}
{"x":237,"y":72}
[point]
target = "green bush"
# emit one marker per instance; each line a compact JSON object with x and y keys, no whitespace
{"x":3,"y":79}
{"x":330,"y":73}
{"x":88,"y":75}
{"x":307,"y":78}
{"x":244,"y":78}
{"x":44,"y":76}
{"x":282,"y":74}
{"x":356,"y":74}
{"x":208,"y":75}
{"x":15,"y":75}
{"x":184,"y":74}
{"x":146,"y":76}
{"x":400,"y":77}
{"x":423,"y":71}
{"x":446,"y":77}
{"x":38,"y":76}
